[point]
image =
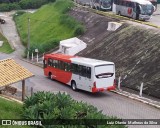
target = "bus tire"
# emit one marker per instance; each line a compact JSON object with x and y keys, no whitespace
{"x":119,"y":13}
{"x":73,"y":85}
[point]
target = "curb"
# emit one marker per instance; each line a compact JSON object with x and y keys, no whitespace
{"x":138,"y":98}
{"x":10,"y":98}
{"x":34,"y":63}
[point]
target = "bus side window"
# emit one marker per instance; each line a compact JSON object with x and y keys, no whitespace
{"x":66,"y":66}
{"x":88,"y":72}
{"x":120,"y":2}
{"x":53,"y":65}
{"x":116,"y":2}
{"x":61,"y":65}
{"x":74,"y":68}
{"x":69,"y":67}
{"x":49,"y":62}
{"x":124,"y":3}
{"x":56,"y":63}
{"x":82,"y":70}
{"x":132,"y":5}
{"x":127,"y":3}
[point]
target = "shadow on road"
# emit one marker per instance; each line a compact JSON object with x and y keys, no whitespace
{"x":81,"y":92}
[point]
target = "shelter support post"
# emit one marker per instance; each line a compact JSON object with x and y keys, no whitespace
{"x":23,"y":90}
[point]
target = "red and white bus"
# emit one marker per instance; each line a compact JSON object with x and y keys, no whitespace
{"x":80,"y":73}
{"x":136,"y":9}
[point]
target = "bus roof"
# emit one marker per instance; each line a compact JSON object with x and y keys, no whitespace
{"x":59,"y":56}
{"x":89,"y":61}
{"x":140,"y":1}
{"x":77,"y":59}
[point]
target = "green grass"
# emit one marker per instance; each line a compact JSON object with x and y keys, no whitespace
{"x":48,"y":25}
{"x":5,"y":47}
{"x":10,"y":110}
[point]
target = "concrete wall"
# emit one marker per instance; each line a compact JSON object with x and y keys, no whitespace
{"x":135,"y":52}
{"x":72,"y":46}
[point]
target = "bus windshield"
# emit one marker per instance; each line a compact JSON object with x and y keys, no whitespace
{"x":106,"y":3}
{"x":146,"y":9}
{"x":104,"y":71}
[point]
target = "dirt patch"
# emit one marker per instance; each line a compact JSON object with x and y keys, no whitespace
{"x":133,"y":48}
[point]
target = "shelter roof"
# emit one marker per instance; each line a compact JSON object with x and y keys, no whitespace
{"x":11,"y":72}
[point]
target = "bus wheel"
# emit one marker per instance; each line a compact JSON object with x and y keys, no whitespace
{"x":73,"y":85}
{"x":119,"y":13}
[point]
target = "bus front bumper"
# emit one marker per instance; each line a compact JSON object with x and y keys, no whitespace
{"x":144,"y":17}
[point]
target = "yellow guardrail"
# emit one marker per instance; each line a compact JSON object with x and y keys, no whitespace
{"x":112,"y":15}
{"x":125,"y":18}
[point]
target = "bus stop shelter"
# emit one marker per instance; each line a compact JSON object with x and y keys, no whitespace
{"x":11,"y":72}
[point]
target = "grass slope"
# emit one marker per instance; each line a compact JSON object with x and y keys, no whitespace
{"x":5,"y":47}
{"x":10,"y":110}
{"x":48,"y":25}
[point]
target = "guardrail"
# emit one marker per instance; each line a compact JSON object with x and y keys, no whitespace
{"x":125,"y":18}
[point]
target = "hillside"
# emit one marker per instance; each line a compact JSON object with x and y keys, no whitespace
{"x":48,"y":25}
{"x":6,"y":48}
{"x":134,"y":50}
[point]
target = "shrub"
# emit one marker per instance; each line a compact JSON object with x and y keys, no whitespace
{"x":71,"y":23}
{"x":51,"y":0}
{"x":62,"y":6}
{"x":31,"y":4}
{"x":14,"y":6}
{"x":68,"y":21}
{"x":22,"y":4}
{"x":79,"y":30}
{"x":45,"y":46}
{"x":4,"y":7}
{"x":46,"y":105}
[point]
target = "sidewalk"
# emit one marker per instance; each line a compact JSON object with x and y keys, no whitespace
{"x":145,"y":100}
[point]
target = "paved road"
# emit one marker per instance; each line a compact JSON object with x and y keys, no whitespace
{"x":10,"y":32}
{"x":112,"y":104}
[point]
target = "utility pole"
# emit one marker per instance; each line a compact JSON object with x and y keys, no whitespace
{"x":28,"y":45}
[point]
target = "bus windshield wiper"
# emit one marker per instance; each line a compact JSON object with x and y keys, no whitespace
{"x":104,"y":75}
